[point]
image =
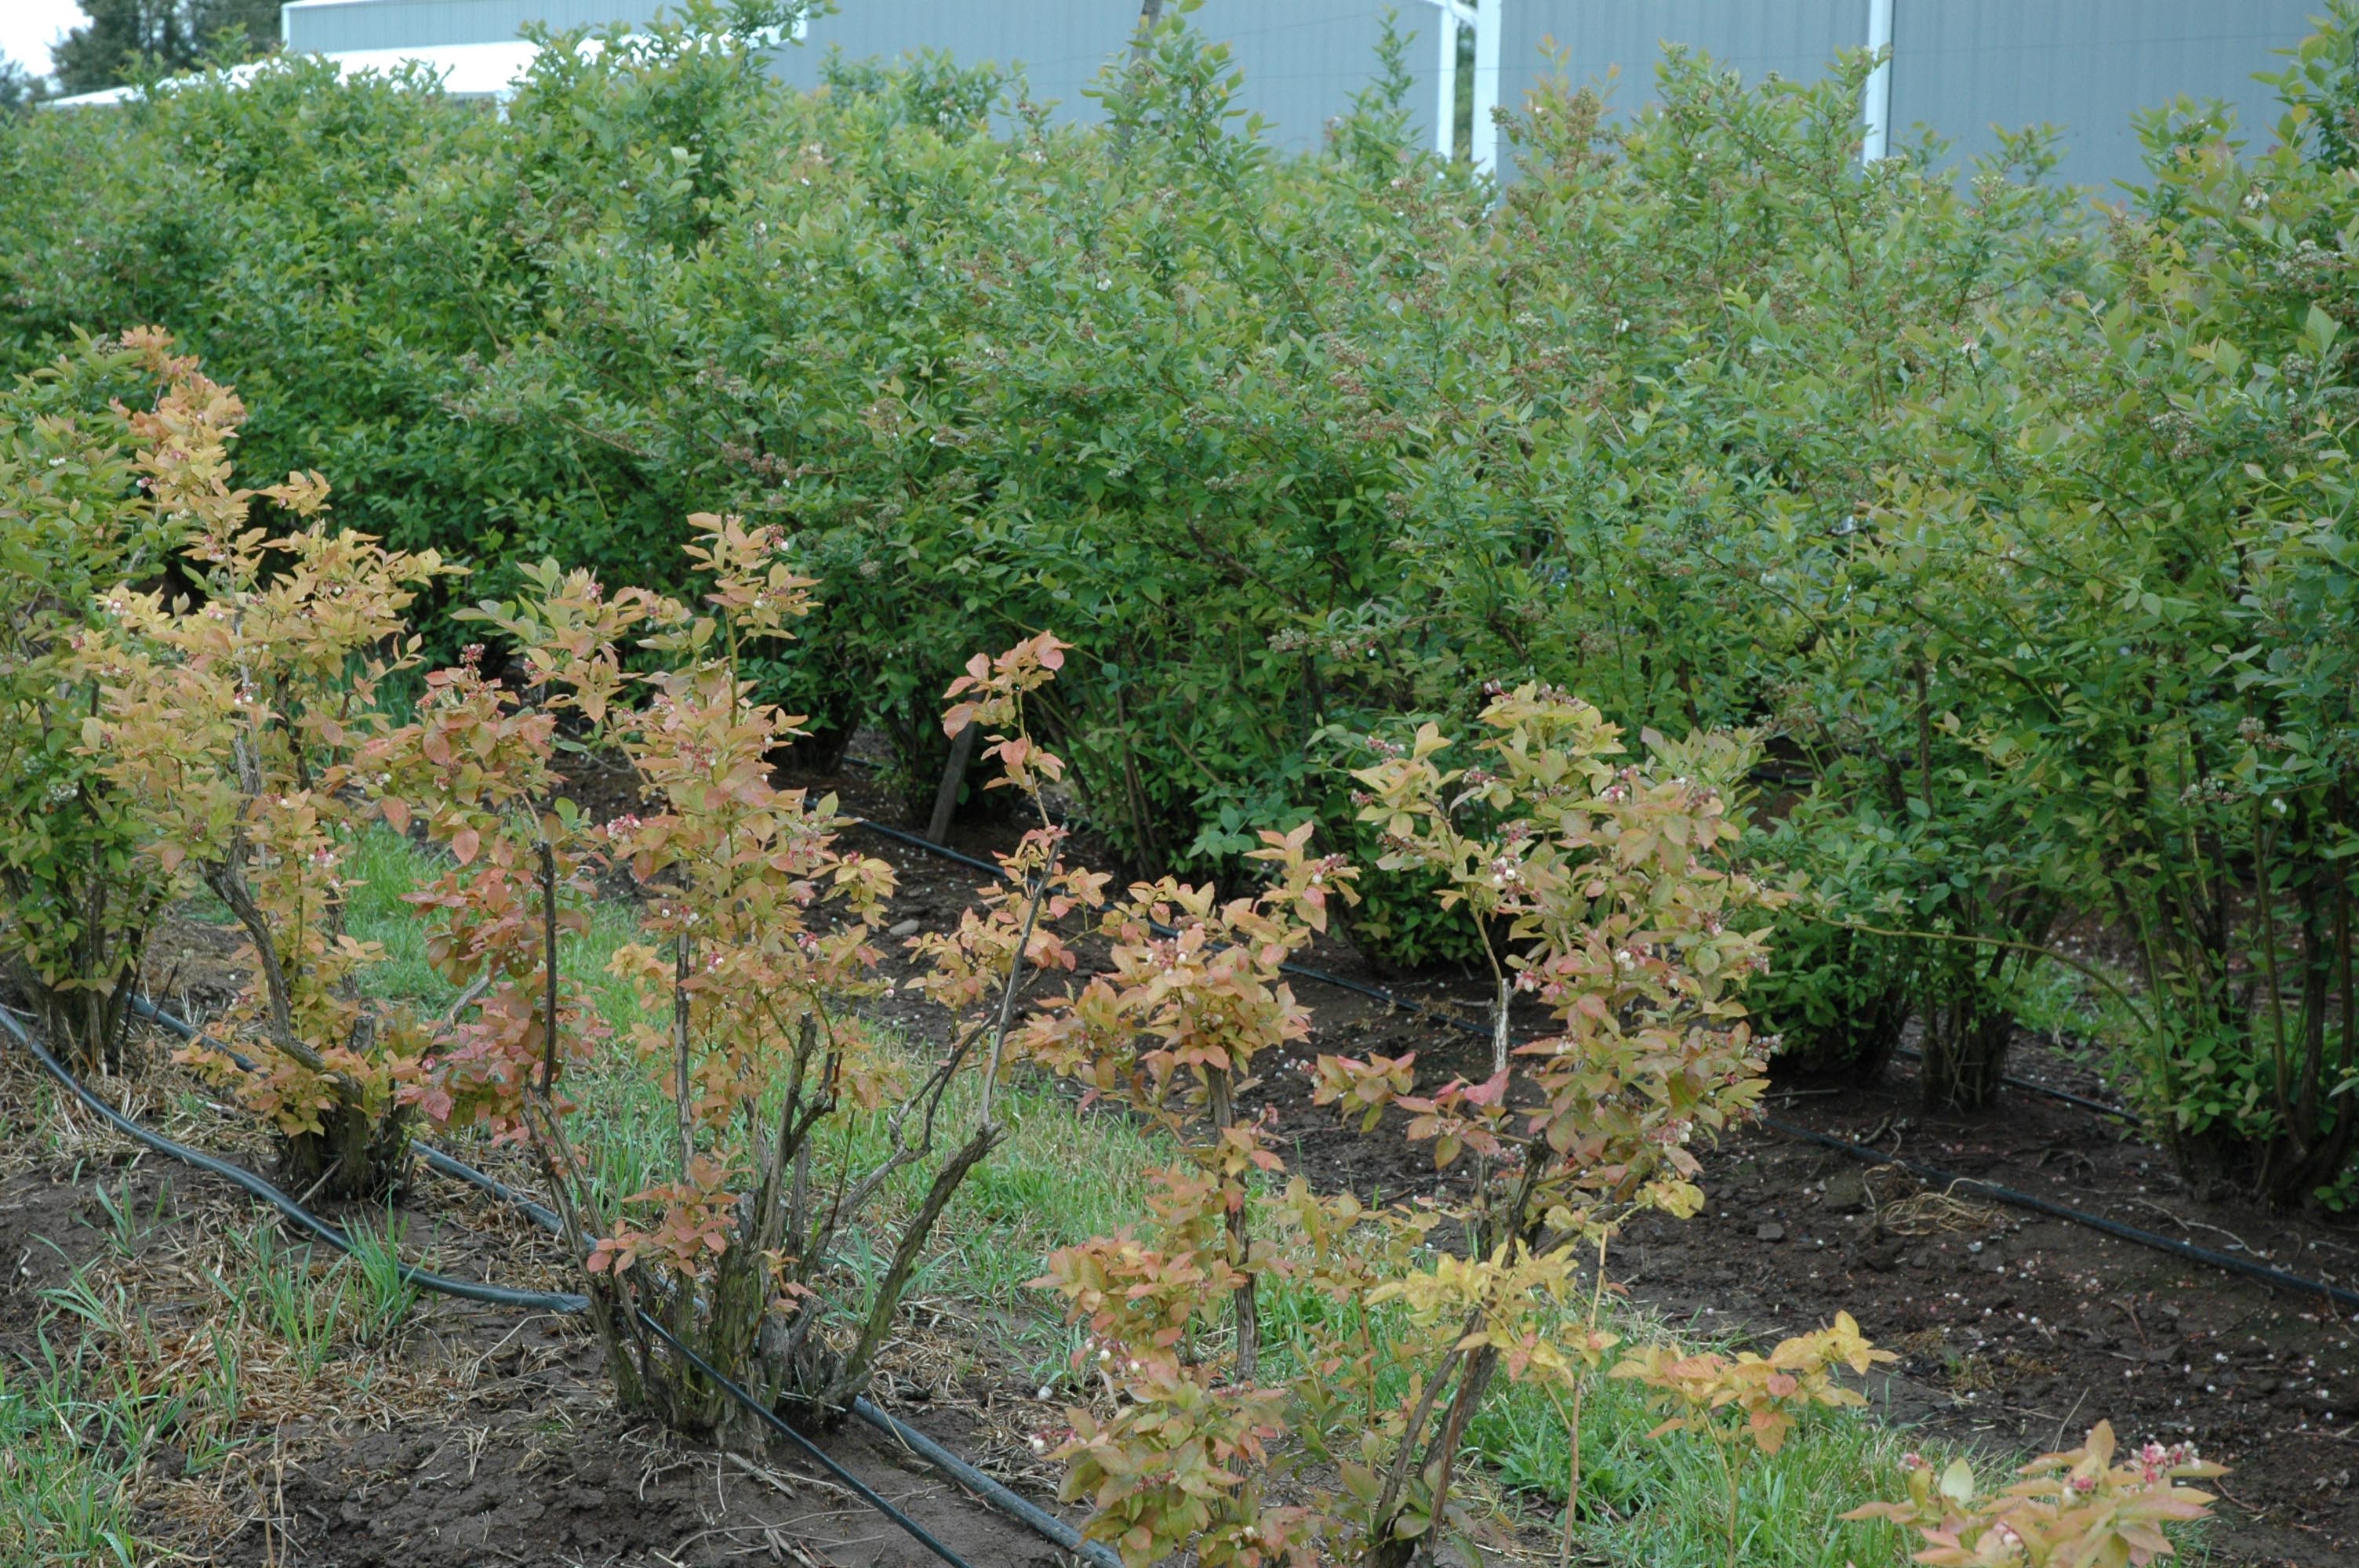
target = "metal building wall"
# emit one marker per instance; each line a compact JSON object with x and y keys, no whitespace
{"x":1794,"y":38}
{"x":2087,"y":67}
{"x":326,"y":26}
{"x":1959,"y":66}
{"x":1302,"y":60}
{"x":1062,"y":43}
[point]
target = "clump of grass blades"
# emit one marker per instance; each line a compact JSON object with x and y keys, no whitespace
{"x":84,"y":1416}
{"x":63,"y":1464}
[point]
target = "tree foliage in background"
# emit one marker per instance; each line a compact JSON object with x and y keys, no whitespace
{"x":19,"y":88}
{"x":2016,"y":529}
{"x":124,"y":40}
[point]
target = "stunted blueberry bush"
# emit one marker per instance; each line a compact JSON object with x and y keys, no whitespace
{"x":233,"y":725}
{"x":759,"y":941}
{"x":2093,"y":1504}
{"x":1610,"y":886}
{"x":1610,"y":893}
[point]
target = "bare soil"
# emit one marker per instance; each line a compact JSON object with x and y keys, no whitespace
{"x":554,"y":1481}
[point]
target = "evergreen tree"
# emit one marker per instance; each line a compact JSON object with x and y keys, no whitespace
{"x":19,"y":88}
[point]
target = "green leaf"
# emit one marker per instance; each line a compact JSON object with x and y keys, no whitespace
{"x":2320,"y":329}
{"x":1958,"y":1481}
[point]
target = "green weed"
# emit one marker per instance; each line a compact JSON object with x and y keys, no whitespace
{"x":382,"y":1298}
{"x":61,"y":1492}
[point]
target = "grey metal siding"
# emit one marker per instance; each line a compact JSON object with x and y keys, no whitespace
{"x":1302,"y":59}
{"x":1062,"y":43}
{"x":1304,"y":63}
{"x":1793,"y":38}
{"x":1959,"y":69}
{"x":1959,"y":66}
{"x":415,"y":24}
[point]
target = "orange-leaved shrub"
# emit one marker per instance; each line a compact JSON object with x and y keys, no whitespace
{"x":1191,"y":996}
{"x":231,"y":725}
{"x":1606,"y":889}
{"x":2086,"y":1506}
{"x":1609,"y":898}
{"x":758,"y":932}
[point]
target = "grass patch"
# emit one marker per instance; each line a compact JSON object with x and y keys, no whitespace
{"x":109,"y":1383}
{"x":68,"y":1445}
{"x":1664,"y":1501}
{"x":389,"y":866}
{"x":2060,"y":1002}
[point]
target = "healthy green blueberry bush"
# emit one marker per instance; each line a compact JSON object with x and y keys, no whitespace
{"x":985,"y":382}
{"x":1718,"y":343}
{"x":2162,"y":568}
{"x":86,"y":501}
{"x":2015,"y":527}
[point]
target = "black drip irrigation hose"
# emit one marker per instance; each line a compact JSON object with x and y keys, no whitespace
{"x":2118,"y":1113}
{"x":940,"y":851}
{"x":469,"y":1290}
{"x":1045,"y":1524}
{"x":434,"y":1158}
{"x":1039,"y":1520}
{"x":2276,"y":1278}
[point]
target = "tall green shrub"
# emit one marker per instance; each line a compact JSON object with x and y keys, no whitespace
{"x":76,"y":903}
{"x":1997,"y":515}
{"x":1701,"y":356}
{"x":2168,"y":580}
